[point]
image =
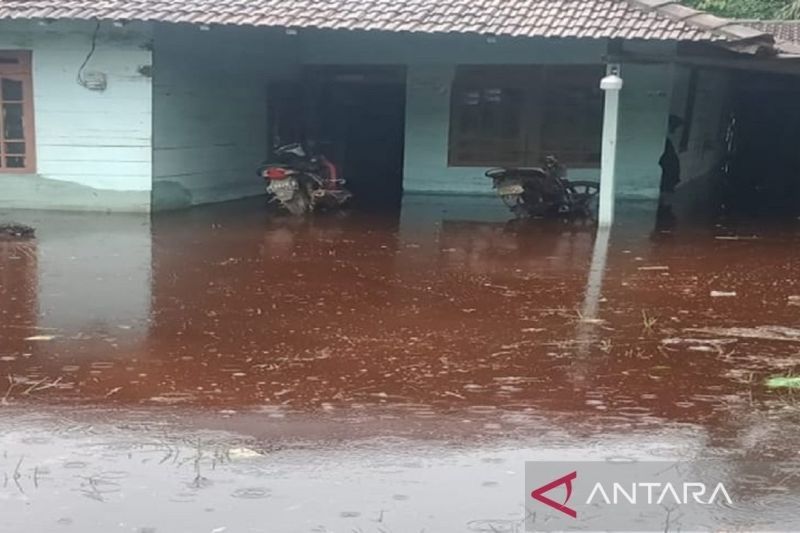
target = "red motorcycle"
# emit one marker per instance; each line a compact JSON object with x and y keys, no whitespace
{"x":302,"y":180}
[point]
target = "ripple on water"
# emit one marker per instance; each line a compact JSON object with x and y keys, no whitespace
{"x":634,"y":411}
{"x":36,"y":440}
{"x":252,"y":493}
{"x":495,"y":526}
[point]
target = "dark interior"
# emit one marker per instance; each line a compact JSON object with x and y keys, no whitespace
{"x":763,"y":174}
{"x":358,"y":118}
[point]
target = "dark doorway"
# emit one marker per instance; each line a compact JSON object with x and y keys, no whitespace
{"x":764,"y":167}
{"x":357,"y":115}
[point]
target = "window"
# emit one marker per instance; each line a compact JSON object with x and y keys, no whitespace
{"x":16,"y":113}
{"x":516,"y":115}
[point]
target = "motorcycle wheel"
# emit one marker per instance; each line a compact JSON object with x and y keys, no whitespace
{"x":584,"y":196}
{"x":299,"y":204}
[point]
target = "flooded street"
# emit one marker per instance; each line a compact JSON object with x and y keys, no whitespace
{"x":225,"y":369}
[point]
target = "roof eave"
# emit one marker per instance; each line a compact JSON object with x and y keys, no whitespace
{"x":733,"y":35}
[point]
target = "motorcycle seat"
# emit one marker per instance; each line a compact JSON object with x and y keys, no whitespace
{"x":516,"y":172}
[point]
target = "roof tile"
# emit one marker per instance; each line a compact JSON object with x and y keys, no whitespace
{"x":618,"y":19}
{"x":783,"y":30}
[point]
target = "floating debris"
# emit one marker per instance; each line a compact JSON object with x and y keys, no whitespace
{"x":783,"y":382}
{"x":723,"y":294}
{"x":17,"y":231}
{"x":243,"y":453}
{"x":41,"y":338}
{"x":694,"y":341}
{"x":736,"y":237}
{"x":770,"y":333}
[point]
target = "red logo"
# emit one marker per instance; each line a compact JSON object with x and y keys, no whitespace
{"x":538,"y":494}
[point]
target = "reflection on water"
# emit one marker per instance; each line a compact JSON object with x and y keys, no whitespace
{"x":18,"y":292}
{"x":422,"y":346}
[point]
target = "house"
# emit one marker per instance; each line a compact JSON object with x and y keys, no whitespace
{"x":139,"y":105}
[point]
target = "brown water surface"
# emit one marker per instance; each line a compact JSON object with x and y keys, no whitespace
{"x":227,"y":368}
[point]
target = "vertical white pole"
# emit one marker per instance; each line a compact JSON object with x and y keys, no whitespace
{"x":611,"y":85}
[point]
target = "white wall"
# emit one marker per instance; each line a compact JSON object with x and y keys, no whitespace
{"x":92,"y":148}
{"x":210,"y":111}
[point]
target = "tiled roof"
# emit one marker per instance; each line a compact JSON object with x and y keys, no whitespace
{"x":620,"y":19}
{"x":783,"y":30}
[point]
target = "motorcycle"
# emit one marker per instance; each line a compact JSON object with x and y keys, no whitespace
{"x":544,"y":191}
{"x":302,"y":179}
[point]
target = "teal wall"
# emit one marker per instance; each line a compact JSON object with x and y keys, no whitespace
{"x":431,"y":61}
{"x":712,"y":103}
{"x":644,"y":112}
{"x":93,"y":148}
{"x":196,"y":131}
{"x":210,"y":111}
{"x":427,"y":136}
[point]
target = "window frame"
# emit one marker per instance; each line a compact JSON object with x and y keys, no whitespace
{"x":20,"y":71}
{"x":534,"y":82}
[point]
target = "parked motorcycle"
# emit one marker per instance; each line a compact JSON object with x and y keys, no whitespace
{"x":302,"y":179}
{"x":544,"y":191}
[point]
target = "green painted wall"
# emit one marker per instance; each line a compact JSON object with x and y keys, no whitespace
{"x":712,"y":102}
{"x":93,"y":147}
{"x":427,"y":135}
{"x":644,"y":112}
{"x":431,"y":61}
{"x":197,"y":132}
{"x":210,"y":111}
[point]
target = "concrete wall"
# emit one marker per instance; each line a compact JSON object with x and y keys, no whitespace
{"x":210,"y":111}
{"x":706,"y":147}
{"x":197,"y":132}
{"x":644,"y":113}
{"x":93,"y":147}
{"x":643,"y":124}
{"x":432,"y":61}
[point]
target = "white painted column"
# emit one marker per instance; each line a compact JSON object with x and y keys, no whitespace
{"x":611,"y":85}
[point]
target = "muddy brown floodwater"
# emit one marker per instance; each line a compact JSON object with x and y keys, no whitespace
{"x":226,"y":370}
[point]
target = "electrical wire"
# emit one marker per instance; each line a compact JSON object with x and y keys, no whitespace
{"x":79,"y":77}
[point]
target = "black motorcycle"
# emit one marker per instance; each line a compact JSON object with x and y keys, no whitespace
{"x":544,"y":191}
{"x":302,"y":179}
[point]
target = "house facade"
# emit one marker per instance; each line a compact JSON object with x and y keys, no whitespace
{"x":149,"y":105}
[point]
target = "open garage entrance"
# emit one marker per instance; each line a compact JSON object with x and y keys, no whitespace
{"x":763,"y":167}
{"x":357,"y":117}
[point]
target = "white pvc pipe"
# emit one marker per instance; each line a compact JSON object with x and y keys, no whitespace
{"x":611,"y":85}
